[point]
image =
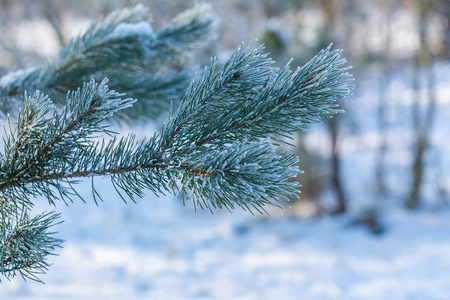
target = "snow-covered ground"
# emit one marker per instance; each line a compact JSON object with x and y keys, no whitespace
{"x":158,"y":249}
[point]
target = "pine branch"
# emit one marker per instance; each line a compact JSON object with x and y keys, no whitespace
{"x":44,"y":141}
{"x":25,"y":243}
{"x":218,"y":149}
{"x":192,"y":150}
{"x":252,"y":101}
{"x":123,"y":45}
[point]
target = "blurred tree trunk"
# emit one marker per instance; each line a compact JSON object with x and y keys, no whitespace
{"x":53,"y":16}
{"x":423,"y":113}
{"x":5,"y":5}
{"x":336,"y":178}
{"x":330,"y":9}
{"x":446,"y":39}
{"x":443,"y":8}
{"x":380,"y":167}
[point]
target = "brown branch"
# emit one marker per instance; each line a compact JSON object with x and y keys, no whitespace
{"x":121,"y":170}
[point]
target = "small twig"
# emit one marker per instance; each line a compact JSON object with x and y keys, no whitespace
{"x":121,"y":170}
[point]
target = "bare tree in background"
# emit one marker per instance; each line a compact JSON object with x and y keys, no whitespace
{"x":443,"y":8}
{"x":330,"y":10}
{"x":423,"y":111}
{"x":53,"y":16}
{"x":380,"y":165}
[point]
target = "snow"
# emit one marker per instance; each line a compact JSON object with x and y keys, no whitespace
{"x":12,"y":77}
{"x":130,"y":29}
{"x":158,"y":249}
{"x":34,"y":36}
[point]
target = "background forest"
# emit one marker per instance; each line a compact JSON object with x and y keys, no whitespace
{"x":372,"y":221}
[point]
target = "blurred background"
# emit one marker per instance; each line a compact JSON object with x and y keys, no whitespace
{"x":372,"y":221}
